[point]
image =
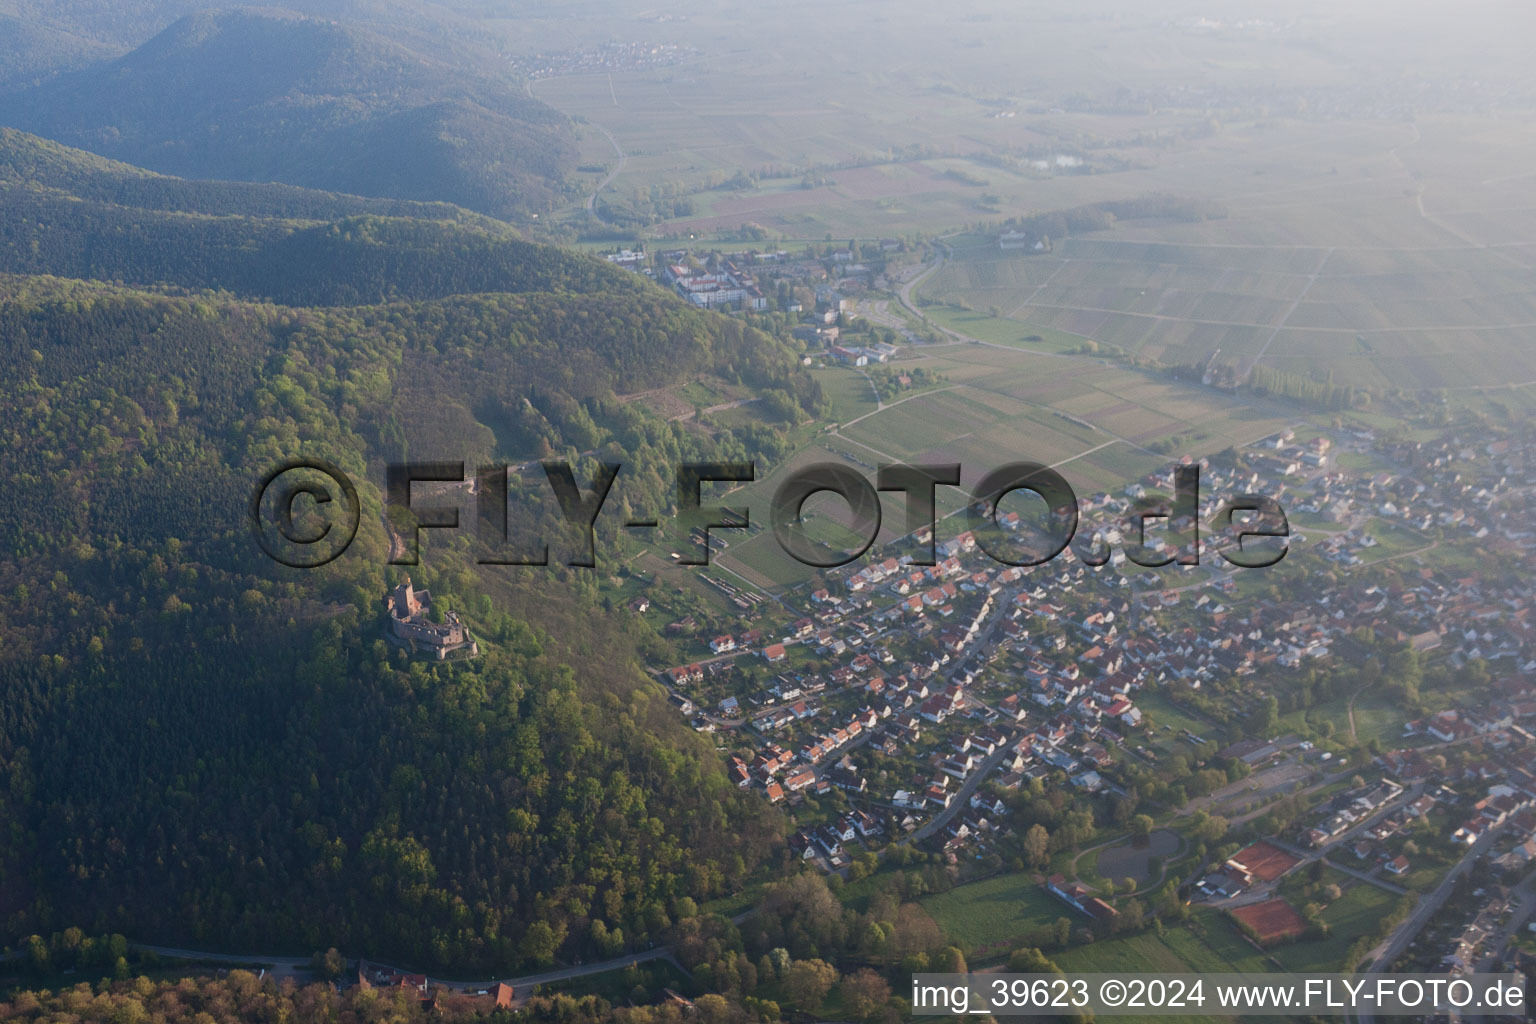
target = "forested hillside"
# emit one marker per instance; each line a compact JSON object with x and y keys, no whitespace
{"x":258,"y":95}
{"x":39,"y":38}
{"x":28,"y":47}
{"x":72,"y":214}
{"x":207,"y":748}
{"x":27,"y":159}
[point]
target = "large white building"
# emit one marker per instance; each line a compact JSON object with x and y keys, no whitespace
{"x":722,"y":288}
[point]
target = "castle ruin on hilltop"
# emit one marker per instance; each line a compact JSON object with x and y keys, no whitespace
{"x":411,"y":625}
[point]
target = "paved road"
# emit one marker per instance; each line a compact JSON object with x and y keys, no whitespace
{"x":1398,"y":941}
{"x":819,"y":699}
{"x":1392,"y":947}
{"x":999,"y":614}
{"x":623,"y":159}
{"x":173,"y":953}
{"x":963,"y":796}
{"x":1380,"y":883}
{"x":877,"y":311}
{"x":283,"y":964}
{"x":904,"y":293}
{"x":289,"y":965}
{"x":566,"y":973}
{"x":1524,"y":899}
{"x":1365,"y":824}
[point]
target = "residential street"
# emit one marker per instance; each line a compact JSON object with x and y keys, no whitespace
{"x":1380,"y":958}
{"x":962,"y":795}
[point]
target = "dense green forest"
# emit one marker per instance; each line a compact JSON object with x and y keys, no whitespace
{"x":804,"y":955}
{"x":41,"y":38}
{"x":262,"y":95}
{"x":72,"y":214}
{"x":356,"y":261}
{"x":28,"y":159}
{"x":28,"y":47}
{"x":202,"y":746}
{"x":1324,"y":394}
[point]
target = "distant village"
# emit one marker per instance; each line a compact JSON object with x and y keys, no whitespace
{"x":818,"y":290}
{"x":632,"y":55}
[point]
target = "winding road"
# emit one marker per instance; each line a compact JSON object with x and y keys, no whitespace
{"x":294,"y":964}
{"x":623,"y":159}
{"x":289,"y":965}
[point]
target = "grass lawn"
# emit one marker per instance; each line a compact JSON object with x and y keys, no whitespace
{"x":1422,"y":879}
{"x":1350,"y":916}
{"x":1169,"y":717}
{"x":1206,"y":944}
{"x":1357,"y":462}
{"x":700,"y":393}
{"x":1087,"y":867}
{"x":995,"y":911}
{"x":730,"y":906}
{"x":1136,"y":954}
{"x":1378,"y":716}
{"x":1003,"y":330}
{"x":1391,"y":539}
{"x":1311,"y":522}
{"x":849,"y":393}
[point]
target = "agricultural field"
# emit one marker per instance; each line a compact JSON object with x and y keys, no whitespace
{"x":1384,"y":251}
{"x":1386,"y":285}
{"x":1117,"y":403}
{"x":1388,"y":245}
{"x":997,"y":329}
{"x":1092,"y":420}
{"x":755,"y":555}
{"x":945,"y":128}
{"x":864,"y":152}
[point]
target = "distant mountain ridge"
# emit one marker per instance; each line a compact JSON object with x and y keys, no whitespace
{"x":33,"y":161}
{"x":260,"y":95}
{"x":27,"y":48}
{"x":259,"y":241}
